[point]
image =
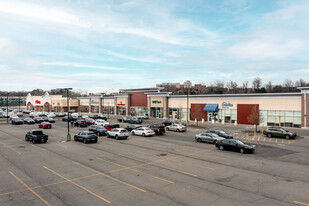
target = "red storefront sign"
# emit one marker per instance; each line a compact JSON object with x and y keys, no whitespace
{"x":37,"y":102}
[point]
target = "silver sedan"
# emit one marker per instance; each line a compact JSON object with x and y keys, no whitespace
{"x":208,"y":137}
{"x":176,"y":127}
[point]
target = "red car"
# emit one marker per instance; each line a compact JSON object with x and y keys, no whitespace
{"x":90,"y":121}
{"x":45,"y":125}
{"x":111,"y":126}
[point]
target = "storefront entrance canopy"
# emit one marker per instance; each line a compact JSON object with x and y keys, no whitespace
{"x":211,"y":108}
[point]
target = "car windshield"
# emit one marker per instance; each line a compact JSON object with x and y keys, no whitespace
{"x":123,"y":130}
{"x":37,"y":132}
{"x":100,"y":127}
{"x":239,"y":142}
{"x":222,"y":132}
{"x":180,"y":125}
{"x":284,"y":130}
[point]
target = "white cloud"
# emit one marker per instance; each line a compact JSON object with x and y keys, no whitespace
{"x":41,"y":13}
{"x":71,"y":64}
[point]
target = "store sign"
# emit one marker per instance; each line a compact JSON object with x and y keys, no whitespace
{"x":37,"y":102}
{"x":120,"y":104}
{"x":156,"y":102}
{"x":226,"y":105}
{"x":94,"y":102}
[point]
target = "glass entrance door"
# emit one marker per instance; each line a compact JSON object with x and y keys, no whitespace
{"x":157,"y":112}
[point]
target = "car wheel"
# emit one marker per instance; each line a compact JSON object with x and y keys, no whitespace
{"x":33,"y":141}
{"x":177,"y":130}
{"x":269,"y":135}
{"x":116,"y":137}
{"x":75,"y":139}
{"x":214,"y":142}
{"x":26,"y":138}
{"x":133,"y":133}
{"x":242,"y":151}
{"x":199,"y":140}
{"x":45,"y":141}
{"x":95,"y":141}
{"x":221,"y":148}
{"x":108,"y":136}
{"x":143,"y":134}
{"x":167,"y":129}
{"x":85,"y":141}
{"x":287,"y":137}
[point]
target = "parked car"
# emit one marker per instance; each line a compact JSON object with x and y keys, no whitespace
{"x":168,"y":122}
{"x":101,"y":122}
{"x":86,"y":136}
{"x":80,"y":123}
{"x":19,"y":114}
{"x":38,"y":119}
{"x":1,"y":116}
{"x":176,"y":127}
{"x":122,"y":119}
{"x":118,"y":133}
{"x":16,"y":121}
{"x":90,"y":121}
{"x":101,"y":116}
{"x":29,"y":121}
{"x":93,"y":116}
{"x":111,"y":126}
{"x":143,"y":116}
{"x":143,"y":131}
{"x":36,"y":136}
{"x":26,"y":111}
{"x":220,"y":133}
{"x":157,"y":128}
{"x":45,"y":125}
{"x":97,"y":129}
{"x":135,"y":120}
{"x":68,"y":119}
{"x":279,"y":132}
{"x":49,"y":119}
{"x":208,"y":137}
{"x":234,"y":145}
{"x":130,"y":127}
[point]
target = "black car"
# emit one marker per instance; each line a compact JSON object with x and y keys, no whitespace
{"x":93,"y":116}
{"x":68,"y":119}
{"x":100,"y":116}
{"x":234,"y":145}
{"x":86,"y":136}
{"x":158,"y":129}
{"x":168,"y":122}
{"x":220,"y":133}
{"x":29,"y":121}
{"x":130,"y":127}
{"x":135,"y":120}
{"x":38,"y":119}
{"x":80,"y":123}
{"x":16,"y":121}
{"x":26,"y":112}
{"x":49,"y":119}
{"x":98,"y":129}
{"x":122,"y":119}
{"x":36,"y":136}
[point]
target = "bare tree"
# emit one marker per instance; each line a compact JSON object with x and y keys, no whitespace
{"x":256,"y":83}
{"x":300,"y":83}
{"x":269,"y":87}
{"x":288,"y":85}
{"x":219,"y":84}
{"x":255,"y":117}
{"x":245,"y":86}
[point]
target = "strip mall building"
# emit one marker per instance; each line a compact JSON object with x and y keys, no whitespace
{"x":274,"y":109}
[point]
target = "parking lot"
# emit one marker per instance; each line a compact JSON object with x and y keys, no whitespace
{"x":171,"y":169}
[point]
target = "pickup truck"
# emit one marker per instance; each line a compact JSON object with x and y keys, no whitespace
{"x":36,"y":136}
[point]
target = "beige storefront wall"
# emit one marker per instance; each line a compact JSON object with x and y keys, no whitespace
{"x":156,"y":102}
{"x":108,"y":102}
{"x":84,"y":102}
{"x":121,"y":100}
{"x":265,"y":103}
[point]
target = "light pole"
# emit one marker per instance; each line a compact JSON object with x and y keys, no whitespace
{"x":68,"y":93}
{"x":102,"y":95}
{"x":7,"y":108}
{"x":187,"y":106}
{"x":19,"y":104}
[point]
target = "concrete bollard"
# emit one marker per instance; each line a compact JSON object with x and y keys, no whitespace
{"x":202,"y":120}
{"x":212,"y":121}
{"x":235,"y":123}
{"x":222,"y":121}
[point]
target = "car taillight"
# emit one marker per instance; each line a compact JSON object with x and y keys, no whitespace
{"x":120,"y":132}
{"x":148,"y":132}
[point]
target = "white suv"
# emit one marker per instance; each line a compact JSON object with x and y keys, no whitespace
{"x":101,"y":122}
{"x":143,"y":131}
{"x":118,"y":133}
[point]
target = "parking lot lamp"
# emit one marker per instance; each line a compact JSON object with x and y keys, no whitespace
{"x":102,"y":96}
{"x":7,"y":108}
{"x":68,"y":94}
{"x":187,"y":106}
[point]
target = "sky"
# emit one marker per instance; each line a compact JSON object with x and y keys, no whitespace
{"x":107,"y":45}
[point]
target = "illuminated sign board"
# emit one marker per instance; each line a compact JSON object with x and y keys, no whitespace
{"x":156,"y":102}
{"x":37,"y":102}
{"x":120,"y":104}
{"x":94,"y":102}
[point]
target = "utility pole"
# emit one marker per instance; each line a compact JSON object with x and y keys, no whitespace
{"x":7,"y":108}
{"x":19,"y":104}
{"x":187,"y":106}
{"x":68,"y":105}
{"x":102,"y":95}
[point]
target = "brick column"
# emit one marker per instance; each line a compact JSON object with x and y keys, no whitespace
{"x":89,"y":105}
{"x":127,"y":102}
{"x":165,"y":106}
{"x":100,"y":105}
{"x":115,"y":106}
{"x":149,"y":105}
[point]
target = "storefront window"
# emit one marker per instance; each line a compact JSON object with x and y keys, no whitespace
{"x":108,"y":110}
{"x":95,"y":109}
{"x":281,"y":118}
{"x":134,"y":111}
{"x":84,"y":109}
{"x":157,"y":112}
{"x":121,"y":110}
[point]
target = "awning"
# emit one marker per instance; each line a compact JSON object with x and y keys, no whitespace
{"x":211,"y":108}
